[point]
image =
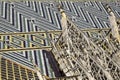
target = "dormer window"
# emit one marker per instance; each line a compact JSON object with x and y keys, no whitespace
{"x":12,"y":4}
{"x":33,"y":20}
{"x":74,"y":18}
{"x":51,"y":4}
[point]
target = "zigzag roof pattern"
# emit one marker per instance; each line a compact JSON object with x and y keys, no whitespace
{"x":29,"y":16}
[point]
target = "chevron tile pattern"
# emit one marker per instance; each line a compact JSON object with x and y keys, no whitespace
{"x":27,"y":16}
